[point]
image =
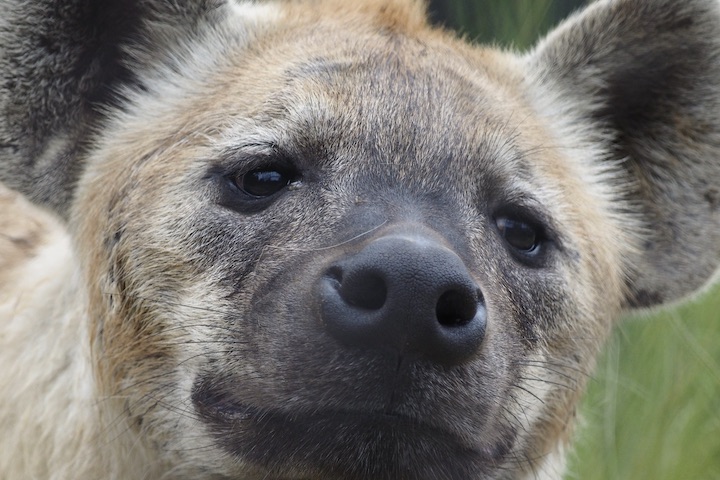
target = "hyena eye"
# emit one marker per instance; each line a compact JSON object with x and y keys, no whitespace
{"x":523,"y":236}
{"x":266,"y":181}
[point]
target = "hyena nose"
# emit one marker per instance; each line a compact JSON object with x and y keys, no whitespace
{"x":408,"y":294}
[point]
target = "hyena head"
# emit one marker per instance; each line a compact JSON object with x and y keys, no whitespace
{"x":323,"y":240}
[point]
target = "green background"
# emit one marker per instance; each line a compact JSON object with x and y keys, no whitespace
{"x":652,"y":410}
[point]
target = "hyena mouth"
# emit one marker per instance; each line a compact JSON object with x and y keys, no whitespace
{"x":344,"y":443}
{"x":400,"y":376}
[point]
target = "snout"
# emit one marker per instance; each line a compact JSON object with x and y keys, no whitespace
{"x":375,"y":349}
{"x":408,"y":293}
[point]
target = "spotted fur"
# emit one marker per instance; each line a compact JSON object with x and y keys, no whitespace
{"x":158,"y":322}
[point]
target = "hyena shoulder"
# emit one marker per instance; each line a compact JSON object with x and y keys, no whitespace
{"x":22,"y":233}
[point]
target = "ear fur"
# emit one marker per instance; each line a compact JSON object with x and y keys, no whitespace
{"x":645,"y":76}
{"x":62,"y":63}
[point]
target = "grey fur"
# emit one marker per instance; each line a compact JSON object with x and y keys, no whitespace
{"x":647,"y":76}
{"x":62,"y":66}
{"x":207,"y":306}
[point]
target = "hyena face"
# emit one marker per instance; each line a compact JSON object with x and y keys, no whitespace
{"x":376,"y":266}
{"x":329,"y":242}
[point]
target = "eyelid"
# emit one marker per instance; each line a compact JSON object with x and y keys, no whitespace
{"x":522,"y":212}
{"x":531,"y":212}
{"x":271,"y":178}
{"x":248,"y":163}
{"x":241,"y":164}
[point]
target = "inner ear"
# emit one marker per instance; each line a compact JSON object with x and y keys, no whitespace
{"x":642,"y":76}
{"x":654,"y":93}
{"x":647,"y":93}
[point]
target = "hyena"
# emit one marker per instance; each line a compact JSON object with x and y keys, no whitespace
{"x":316,"y":239}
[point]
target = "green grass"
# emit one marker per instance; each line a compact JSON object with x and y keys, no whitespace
{"x":515,"y":23}
{"x":653,"y":406}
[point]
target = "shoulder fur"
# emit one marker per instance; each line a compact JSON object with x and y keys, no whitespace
{"x":24,"y":228}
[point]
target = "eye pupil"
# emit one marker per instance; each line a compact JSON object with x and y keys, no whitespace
{"x":263,"y":182}
{"x":520,"y":235}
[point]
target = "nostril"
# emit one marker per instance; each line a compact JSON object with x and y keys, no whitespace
{"x":456,"y":308}
{"x":406,"y":294}
{"x":335,"y":273}
{"x":366,"y":291}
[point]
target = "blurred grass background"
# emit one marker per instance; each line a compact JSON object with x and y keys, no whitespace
{"x":516,"y":23}
{"x":652,"y":410}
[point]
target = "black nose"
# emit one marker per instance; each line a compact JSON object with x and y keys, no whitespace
{"x":406,"y":293}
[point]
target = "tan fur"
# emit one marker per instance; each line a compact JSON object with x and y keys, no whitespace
{"x":160,"y":321}
{"x":21,"y":234}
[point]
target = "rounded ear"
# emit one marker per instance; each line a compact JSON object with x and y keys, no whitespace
{"x":645,"y":76}
{"x":63,"y":66}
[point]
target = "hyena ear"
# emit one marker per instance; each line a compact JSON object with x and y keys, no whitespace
{"x":645,"y":74}
{"x":62,"y":66}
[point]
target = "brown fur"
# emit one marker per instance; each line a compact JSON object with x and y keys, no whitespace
{"x":206,"y":317}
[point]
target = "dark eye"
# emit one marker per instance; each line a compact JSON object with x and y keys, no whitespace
{"x":265,"y":182}
{"x":520,"y":234}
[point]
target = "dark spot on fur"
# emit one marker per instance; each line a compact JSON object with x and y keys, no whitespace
{"x":712,"y":197}
{"x":10,"y":146}
{"x":24,"y":244}
{"x":683,"y":23}
{"x":645,"y":298}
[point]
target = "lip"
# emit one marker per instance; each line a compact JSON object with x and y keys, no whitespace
{"x":334,"y":444}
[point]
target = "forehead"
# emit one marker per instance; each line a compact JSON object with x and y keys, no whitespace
{"x":386,"y":97}
{"x":377,"y":77}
